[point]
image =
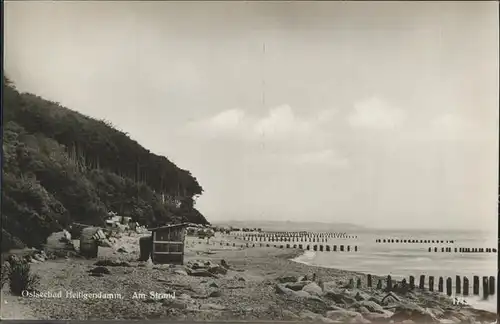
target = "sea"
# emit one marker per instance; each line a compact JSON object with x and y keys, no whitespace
{"x":401,"y":260}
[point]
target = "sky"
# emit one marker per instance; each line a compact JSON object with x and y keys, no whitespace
{"x":371,"y":113}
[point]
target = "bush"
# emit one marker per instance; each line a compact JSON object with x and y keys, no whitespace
{"x":5,"y":274}
{"x":21,"y":279}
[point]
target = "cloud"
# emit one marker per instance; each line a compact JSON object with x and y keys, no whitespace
{"x":226,"y":123}
{"x":280,"y":124}
{"x":375,"y":113}
{"x":328,"y":158}
{"x":227,"y":120}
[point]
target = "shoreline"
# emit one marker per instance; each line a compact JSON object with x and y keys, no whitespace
{"x":476,"y":302}
{"x":253,"y":288}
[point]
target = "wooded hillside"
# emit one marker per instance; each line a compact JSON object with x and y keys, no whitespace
{"x":60,"y":166}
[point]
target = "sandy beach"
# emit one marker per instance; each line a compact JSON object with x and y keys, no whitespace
{"x":259,"y":283}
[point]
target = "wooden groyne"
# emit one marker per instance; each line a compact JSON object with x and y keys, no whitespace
{"x":308,"y":247}
{"x":326,"y":235}
{"x":294,"y":237}
{"x":462,"y":250}
{"x":444,"y":285}
{"x":414,"y":241}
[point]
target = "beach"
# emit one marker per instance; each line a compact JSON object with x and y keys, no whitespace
{"x":256,"y":283}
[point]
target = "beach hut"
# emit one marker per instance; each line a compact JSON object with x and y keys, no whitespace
{"x":88,"y":244}
{"x":168,"y":244}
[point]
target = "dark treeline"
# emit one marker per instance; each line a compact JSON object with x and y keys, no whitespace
{"x":60,"y":166}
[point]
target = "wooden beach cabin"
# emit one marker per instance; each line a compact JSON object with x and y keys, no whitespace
{"x":168,"y":244}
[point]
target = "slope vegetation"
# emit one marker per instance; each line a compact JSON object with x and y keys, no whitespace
{"x":59,"y":166}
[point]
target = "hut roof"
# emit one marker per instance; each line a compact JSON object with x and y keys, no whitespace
{"x":169,"y":226}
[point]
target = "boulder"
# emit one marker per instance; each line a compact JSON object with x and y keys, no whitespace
{"x":102,"y":270}
{"x":313,"y":289}
{"x":410,"y":311}
{"x":287,"y":279}
{"x":217,"y":269}
{"x":202,"y":273}
{"x":301,"y":294}
{"x":436,"y":311}
{"x":281,"y":289}
{"x":215,"y":293}
{"x":95,"y":274}
{"x":338,"y":297}
{"x":288,"y":315}
{"x":389,"y":299}
{"x":360,"y":309}
{"x":180,"y":272}
{"x":296,"y":286}
{"x":346,"y":316}
{"x":330,"y":285}
{"x":371,"y":306}
{"x":378,"y":317}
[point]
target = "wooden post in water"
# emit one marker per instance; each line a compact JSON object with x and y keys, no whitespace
{"x":448,"y":286}
{"x":412,"y":282}
{"x":485,"y":288}
{"x":475,"y":287}
{"x":457,"y":285}
{"x":440,"y":284}
{"x":431,"y":283}
{"x":358,"y":283}
{"x":379,"y":284}
{"x":466,"y":286}
{"x":421,"y":284}
{"x":369,"y":280}
{"x":492,"y":285}
{"x":389,"y":283}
